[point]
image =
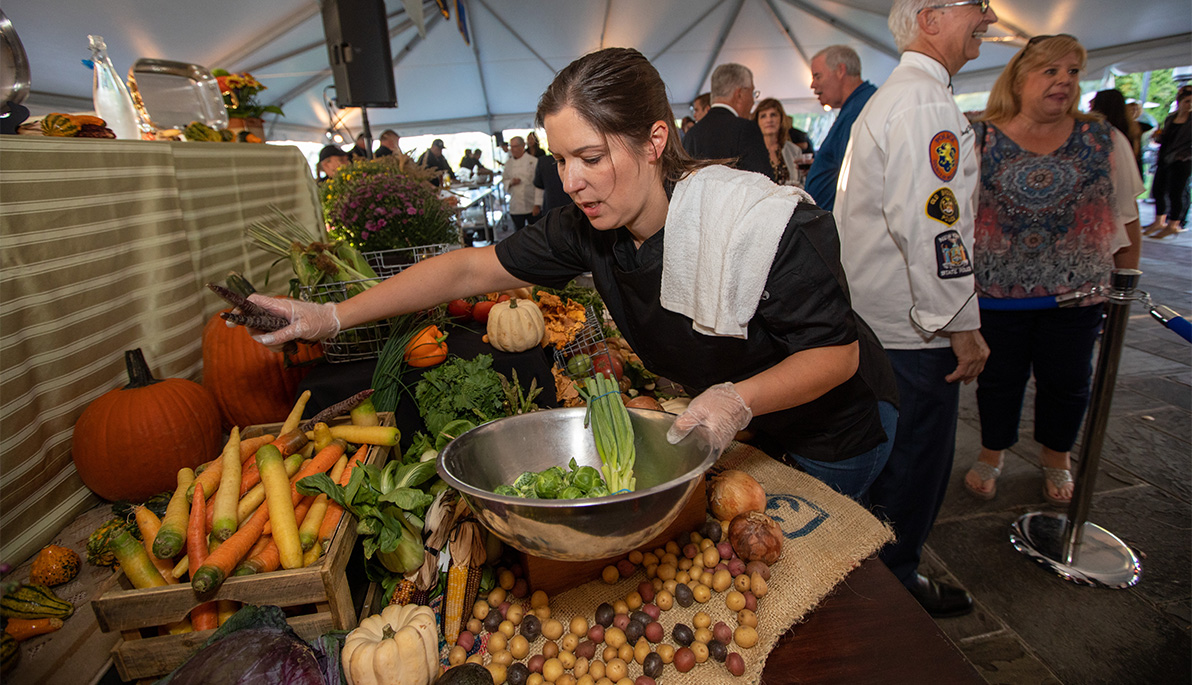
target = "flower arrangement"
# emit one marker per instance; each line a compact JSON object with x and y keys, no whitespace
{"x":386,"y":204}
{"x":240,"y":95}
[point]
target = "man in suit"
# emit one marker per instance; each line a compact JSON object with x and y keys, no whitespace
{"x":725,"y":132}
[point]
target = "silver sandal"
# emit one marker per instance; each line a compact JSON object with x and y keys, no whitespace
{"x":984,"y":472}
{"x":1058,"y":479}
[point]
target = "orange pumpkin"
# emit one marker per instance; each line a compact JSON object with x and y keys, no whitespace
{"x":250,"y":383}
{"x":130,"y":442}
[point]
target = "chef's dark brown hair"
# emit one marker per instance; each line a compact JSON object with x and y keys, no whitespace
{"x":620,"y":94}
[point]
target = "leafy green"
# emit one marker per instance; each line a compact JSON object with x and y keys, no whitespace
{"x":460,"y":389}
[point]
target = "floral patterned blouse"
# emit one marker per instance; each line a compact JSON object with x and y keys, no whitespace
{"x":1045,"y":224}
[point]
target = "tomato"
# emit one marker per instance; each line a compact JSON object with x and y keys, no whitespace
{"x":426,"y":348}
{"x":503,"y":298}
{"x":460,"y":310}
{"x":602,"y":364}
{"x":481,"y":310}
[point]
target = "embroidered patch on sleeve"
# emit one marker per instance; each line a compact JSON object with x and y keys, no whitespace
{"x":951,"y":257}
{"x":942,"y":206}
{"x":945,"y":155}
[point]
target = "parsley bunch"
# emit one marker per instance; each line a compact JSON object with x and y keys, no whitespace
{"x":460,"y":389}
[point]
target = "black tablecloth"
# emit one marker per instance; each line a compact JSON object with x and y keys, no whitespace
{"x":331,"y":383}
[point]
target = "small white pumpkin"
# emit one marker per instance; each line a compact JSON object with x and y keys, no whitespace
{"x":515,"y":325}
{"x":399,"y":646}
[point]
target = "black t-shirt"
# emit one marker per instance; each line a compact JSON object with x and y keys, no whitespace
{"x":805,"y":305}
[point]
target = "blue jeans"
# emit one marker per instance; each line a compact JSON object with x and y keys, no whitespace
{"x":853,"y":476}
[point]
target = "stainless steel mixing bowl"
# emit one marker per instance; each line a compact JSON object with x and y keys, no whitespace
{"x":583,"y":529}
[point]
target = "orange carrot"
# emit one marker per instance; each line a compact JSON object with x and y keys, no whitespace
{"x":249,"y":446}
{"x":300,"y":511}
{"x":217,"y":567}
{"x":334,"y":511}
{"x":204,"y":616}
{"x":287,"y":444}
{"x":266,"y":560}
{"x":321,"y":462}
{"x":149,"y":524}
{"x":210,"y":477}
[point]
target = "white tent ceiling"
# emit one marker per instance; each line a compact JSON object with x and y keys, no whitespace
{"x":445,"y":85}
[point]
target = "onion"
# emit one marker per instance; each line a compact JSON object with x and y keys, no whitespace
{"x":755,"y":536}
{"x":735,"y":492}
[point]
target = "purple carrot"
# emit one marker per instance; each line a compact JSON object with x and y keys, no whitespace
{"x":336,"y":409}
{"x":251,"y":314}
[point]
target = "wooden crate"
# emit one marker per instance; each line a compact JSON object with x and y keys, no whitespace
{"x":553,"y":576}
{"x":316,"y":599}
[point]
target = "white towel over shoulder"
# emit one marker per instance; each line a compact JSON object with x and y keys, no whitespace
{"x":722,"y":231}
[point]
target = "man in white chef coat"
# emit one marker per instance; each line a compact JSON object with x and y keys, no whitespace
{"x":904,"y":207}
{"x":519,"y":183}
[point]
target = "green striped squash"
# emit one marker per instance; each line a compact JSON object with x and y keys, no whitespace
{"x":34,"y":601}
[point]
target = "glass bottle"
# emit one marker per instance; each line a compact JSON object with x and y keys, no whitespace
{"x":113,"y":104}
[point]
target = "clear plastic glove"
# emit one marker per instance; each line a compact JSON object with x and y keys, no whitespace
{"x":309,"y":321}
{"x":720,"y":409}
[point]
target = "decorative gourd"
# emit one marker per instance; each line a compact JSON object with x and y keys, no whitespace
{"x":34,"y":601}
{"x":130,"y":442}
{"x":399,"y":646}
{"x":24,"y":628}
{"x":10,"y":652}
{"x":251,"y":384}
{"x":58,"y":126}
{"x":54,"y":565}
{"x":99,"y":550}
{"x":515,"y":325}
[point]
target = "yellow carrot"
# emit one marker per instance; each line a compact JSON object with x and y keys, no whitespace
{"x":172,"y":535}
{"x":149,"y":525}
{"x":308,"y":532}
{"x":322,"y":436}
{"x":254,"y":497}
{"x":227,"y":608}
{"x":182,"y":567}
{"x":370,"y":435}
{"x":295,"y":418}
{"x":280,"y":506}
{"x":134,"y":561}
{"x":225,"y":520}
{"x":311,"y":555}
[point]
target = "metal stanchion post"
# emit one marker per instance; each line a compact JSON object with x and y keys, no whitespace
{"x":1069,"y":545}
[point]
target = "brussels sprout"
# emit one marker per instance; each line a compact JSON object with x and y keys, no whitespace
{"x":586,"y":478}
{"x":570,"y":492}
{"x":525,"y":480}
{"x":599,"y":490}
{"x":507,"y":490}
{"x":550,"y":482}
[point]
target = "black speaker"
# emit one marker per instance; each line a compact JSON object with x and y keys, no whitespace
{"x":499,"y":137}
{"x":358,"y":47}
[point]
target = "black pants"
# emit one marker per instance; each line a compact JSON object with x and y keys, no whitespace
{"x":1170,"y":189}
{"x":910,"y":489}
{"x":1056,"y":345}
{"x":519,"y":220}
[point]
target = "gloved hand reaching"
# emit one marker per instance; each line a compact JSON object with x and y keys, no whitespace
{"x":309,"y":321}
{"x":720,"y":409}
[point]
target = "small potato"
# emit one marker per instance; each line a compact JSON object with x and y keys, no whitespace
{"x":620,"y":607}
{"x":746,"y":617}
{"x":685,"y":564}
{"x":580,"y":669}
{"x":503,"y":657}
{"x":480,"y":609}
{"x":734,"y":600}
{"x":515,"y":614}
{"x":703,"y":635}
{"x":667,"y":652}
{"x":614,"y":637}
{"x":506,"y":579}
{"x":476,"y":659}
{"x":683,"y":577}
{"x":566,"y":679}
{"x":617,"y":669}
{"x":457,"y":656}
{"x":542,"y":613}
{"x":610,"y":574}
{"x":711,"y":557}
{"x":475,"y":626}
{"x":625,"y":653}
{"x":649,"y":558}
{"x":585,"y":679}
{"x":665,"y":600}
{"x":550,"y":649}
{"x":701,"y":619}
{"x":633,"y":600}
{"x":652,"y":571}
{"x":741,"y":582}
{"x":702,"y":593}
{"x":609,"y":654}
{"x":519,"y":647}
{"x":745,"y":636}
{"x":507,"y":628}
{"x":497,"y":596}
{"x":670,"y":585}
{"x":626,"y":568}
{"x":535,"y":679}
{"x":706,"y":578}
{"x":498,"y":673}
{"x":552,"y":629}
{"x":706,"y":543}
{"x":551,"y":670}
{"x":539,"y":599}
{"x":497,"y":642}
{"x":757,"y":584}
{"x":722,"y":580}
{"x":635,"y":557}
{"x":578,"y":625}
{"x":597,"y":669}
{"x":570,"y":642}
{"x":641,"y":650}
{"x":700,"y":650}
{"x":567,"y":659}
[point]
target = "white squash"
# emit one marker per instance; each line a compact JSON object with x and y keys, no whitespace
{"x":515,"y":325}
{"x":399,"y":646}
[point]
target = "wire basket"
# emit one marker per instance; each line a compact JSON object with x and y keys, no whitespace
{"x":366,"y":341}
{"x":590,"y":341}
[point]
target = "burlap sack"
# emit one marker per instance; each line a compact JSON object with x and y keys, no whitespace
{"x":827,"y":535}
